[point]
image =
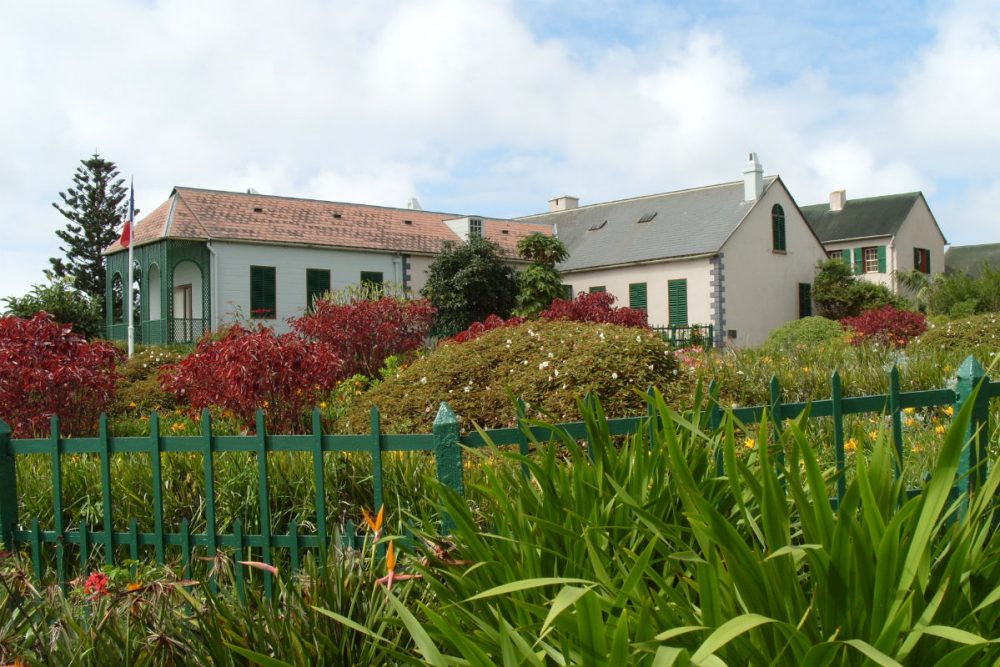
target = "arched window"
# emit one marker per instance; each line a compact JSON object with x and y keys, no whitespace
{"x":117,"y":299}
{"x":778,"y":228}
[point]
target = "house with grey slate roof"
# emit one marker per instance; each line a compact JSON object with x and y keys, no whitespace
{"x":970,"y":259}
{"x":736,"y":255}
{"x":880,"y":236}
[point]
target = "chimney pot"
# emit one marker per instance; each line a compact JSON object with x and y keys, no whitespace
{"x":837,"y":200}
{"x":753,"y":178}
{"x":563,"y":203}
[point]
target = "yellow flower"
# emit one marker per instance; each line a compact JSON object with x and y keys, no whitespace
{"x":322,"y":405}
{"x":949,"y":410}
{"x":917,"y":447}
{"x":850,"y":445}
{"x":873,"y":435}
{"x":750,"y":443}
{"x":910,"y":422}
{"x":939,"y":429}
{"x":805,"y":369}
{"x":132,"y":404}
{"x":909,"y":411}
{"x":134,"y":586}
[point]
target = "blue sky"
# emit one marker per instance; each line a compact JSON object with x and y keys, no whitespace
{"x":492,"y":107}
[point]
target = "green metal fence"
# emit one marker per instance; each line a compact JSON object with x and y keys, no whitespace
{"x":699,"y":335}
{"x":445,"y":442}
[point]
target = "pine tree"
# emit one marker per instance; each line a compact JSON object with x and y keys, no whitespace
{"x":95,"y":207}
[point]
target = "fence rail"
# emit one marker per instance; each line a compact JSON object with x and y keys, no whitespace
{"x":445,"y":442}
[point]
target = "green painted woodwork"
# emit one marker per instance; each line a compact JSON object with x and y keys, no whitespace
{"x":677,"y":302}
{"x":881,"y":259}
{"x":845,"y":255}
{"x":805,"y":300}
{"x":263,"y":292}
{"x":637,"y":296}
{"x":922,"y":260}
{"x":164,"y":255}
{"x":446,"y":443}
{"x":859,"y":261}
{"x":597,"y":288}
{"x":317,"y":284}
{"x":778,"y":228}
{"x":448,"y":454}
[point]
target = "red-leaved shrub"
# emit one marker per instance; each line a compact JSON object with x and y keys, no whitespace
{"x":365,"y":332}
{"x":886,"y":325}
{"x":477,"y":329}
{"x":242,"y":370}
{"x":594,"y":307}
{"x":46,"y":370}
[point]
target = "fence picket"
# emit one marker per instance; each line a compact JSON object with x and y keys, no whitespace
{"x":8,"y":489}
{"x":208,"y":457}
{"x":57,"y":508}
{"x":109,"y":544}
{"x":375,"y":447}
{"x":837,"y":410}
{"x":320,"y":482}
{"x":157,"y":470}
{"x":264,"y":501}
{"x":896,"y":419}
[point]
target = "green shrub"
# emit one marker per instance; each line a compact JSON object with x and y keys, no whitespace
{"x":806,"y":331}
{"x":139,"y":390}
{"x":978,"y":335}
{"x":548,"y":364}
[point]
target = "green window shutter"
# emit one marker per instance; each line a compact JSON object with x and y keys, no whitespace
{"x":881,"y":259}
{"x":597,"y":288}
{"x":916,"y":259}
{"x":677,"y":302}
{"x":927,"y":262}
{"x":263,"y":302}
{"x":859,"y":261}
{"x":845,"y":255}
{"x":317,"y":284}
{"x":778,"y":228}
{"x":805,"y":300}
{"x":637,"y":296}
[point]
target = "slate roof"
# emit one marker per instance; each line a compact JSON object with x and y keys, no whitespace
{"x":684,"y":223}
{"x":970,"y":258}
{"x":197,"y":214}
{"x":860,"y":218}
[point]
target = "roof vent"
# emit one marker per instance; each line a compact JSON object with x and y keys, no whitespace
{"x":258,"y":209}
{"x":597,"y":225}
{"x":407,"y":222}
{"x":505,"y":231}
{"x":647,"y":218}
{"x":337,"y":216}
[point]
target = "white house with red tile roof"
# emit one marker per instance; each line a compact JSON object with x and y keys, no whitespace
{"x":205,"y":257}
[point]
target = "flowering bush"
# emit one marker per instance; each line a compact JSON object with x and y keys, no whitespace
{"x":548,"y":364}
{"x":365,"y":332}
{"x":594,"y":307}
{"x":46,"y":370}
{"x":489,"y":324}
{"x":242,"y":370}
{"x":886,"y":325}
{"x":978,"y":335}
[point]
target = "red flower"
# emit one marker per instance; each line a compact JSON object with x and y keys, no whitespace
{"x":96,"y":585}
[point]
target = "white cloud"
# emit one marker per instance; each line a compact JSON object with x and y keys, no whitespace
{"x":461,"y":104}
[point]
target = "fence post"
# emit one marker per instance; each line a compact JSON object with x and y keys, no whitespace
{"x":448,"y":455}
{"x":971,"y":470}
{"x":8,"y":489}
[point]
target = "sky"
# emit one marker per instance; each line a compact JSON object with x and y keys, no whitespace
{"x":492,"y":107}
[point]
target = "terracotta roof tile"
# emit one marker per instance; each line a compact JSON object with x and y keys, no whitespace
{"x":192,"y":213}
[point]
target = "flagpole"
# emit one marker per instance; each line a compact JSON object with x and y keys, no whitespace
{"x":130,"y":272}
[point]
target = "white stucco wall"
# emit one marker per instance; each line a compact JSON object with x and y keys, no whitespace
{"x":345,"y":266}
{"x":616,"y":281}
{"x":419,"y":264}
{"x":919,"y":231}
{"x":762,"y":285}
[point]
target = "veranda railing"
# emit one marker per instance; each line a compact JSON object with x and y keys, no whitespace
{"x":445,"y":442}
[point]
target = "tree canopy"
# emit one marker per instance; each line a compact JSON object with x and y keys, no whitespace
{"x":838,"y":293}
{"x":94,"y":206}
{"x":468,"y":282}
{"x":539,"y":284}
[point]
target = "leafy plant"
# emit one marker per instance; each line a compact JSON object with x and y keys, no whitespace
{"x":979,"y":335}
{"x":594,"y":307}
{"x":539,"y":284}
{"x":365,"y":332}
{"x":47,"y":370}
{"x":886,"y":325}
{"x":806,"y":331}
{"x":961,"y":295}
{"x":244,"y":370}
{"x":467,"y":283}
{"x":65,"y":303}
{"x":838,"y":293}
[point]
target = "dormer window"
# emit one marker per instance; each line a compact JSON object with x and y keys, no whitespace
{"x":647,"y":218}
{"x":778,"y":228}
{"x":475,"y":228}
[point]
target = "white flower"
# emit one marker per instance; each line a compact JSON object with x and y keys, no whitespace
{"x":638,"y":339}
{"x":614,"y":376}
{"x":423,"y":380}
{"x":542,"y":365}
{"x":556,"y":371}
{"x":551,"y":355}
{"x":467,"y":389}
{"x":508,"y":341}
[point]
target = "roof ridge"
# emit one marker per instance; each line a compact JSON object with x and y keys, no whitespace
{"x":342,"y":203}
{"x":611,"y":202}
{"x":193,"y":214}
{"x":914,"y":194}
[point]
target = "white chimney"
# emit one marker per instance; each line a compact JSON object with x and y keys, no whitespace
{"x":413,"y":203}
{"x":753,"y":178}
{"x":837,"y":200}
{"x":563,"y":203}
